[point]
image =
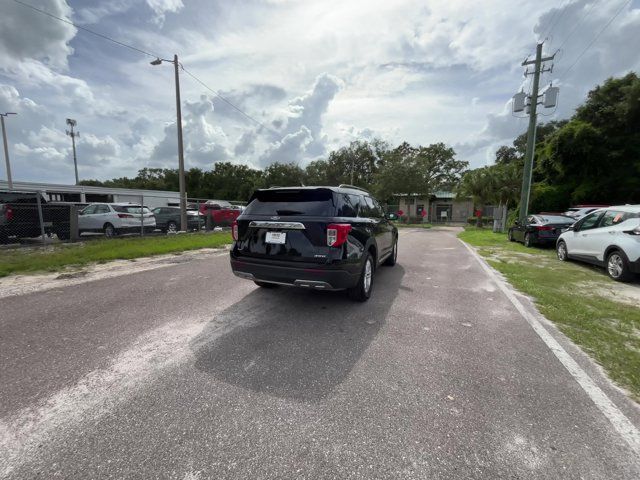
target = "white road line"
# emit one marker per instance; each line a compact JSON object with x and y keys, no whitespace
{"x":620,"y":422}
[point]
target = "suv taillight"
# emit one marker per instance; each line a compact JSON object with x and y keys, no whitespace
{"x":8,"y":213}
{"x":124,"y":215}
{"x":337,"y":234}
{"x":545,"y":228}
{"x":234,"y":230}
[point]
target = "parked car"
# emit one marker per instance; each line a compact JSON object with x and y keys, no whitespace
{"x":20,"y":218}
{"x":324,"y":238}
{"x":609,"y":237}
{"x":580,"y":211}
{"x":115,"y":218}
{"x":168,"y":219}
{"x":222,"y":213}
{"x":539,"y":229}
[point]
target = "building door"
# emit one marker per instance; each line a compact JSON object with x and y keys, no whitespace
{"x":443,"y":213}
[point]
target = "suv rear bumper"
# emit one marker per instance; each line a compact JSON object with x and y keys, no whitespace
{"x":318,"y":277}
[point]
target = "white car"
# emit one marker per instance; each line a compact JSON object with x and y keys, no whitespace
{"x":115,"y":218}
{"x":580,"y":211}
{"x":608,"y":237}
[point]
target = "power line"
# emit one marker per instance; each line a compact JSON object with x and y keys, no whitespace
{"x":595,"y":38}
{"x":149,"y":54}
{"x":246,"y":115}
{"x":575,"y":27}
{"x":105,"y":37}
{"x":555,"y":19}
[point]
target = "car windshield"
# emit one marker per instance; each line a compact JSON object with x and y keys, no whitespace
{"x":310,"y":202}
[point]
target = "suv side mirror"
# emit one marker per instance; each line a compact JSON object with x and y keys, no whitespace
{"x":391,"y":216}
{"x":516,"y":223}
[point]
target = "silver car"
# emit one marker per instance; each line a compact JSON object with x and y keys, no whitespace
{"x":115,"y":218}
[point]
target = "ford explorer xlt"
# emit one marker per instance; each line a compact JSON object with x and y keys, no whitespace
{"x":324,"y":238}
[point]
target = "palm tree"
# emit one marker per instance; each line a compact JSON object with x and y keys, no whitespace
{"x":480,"y":185}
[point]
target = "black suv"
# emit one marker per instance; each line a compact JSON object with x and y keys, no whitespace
{"x":324,"y":238}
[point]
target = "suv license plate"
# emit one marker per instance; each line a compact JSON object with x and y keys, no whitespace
{"x":276,"y":237}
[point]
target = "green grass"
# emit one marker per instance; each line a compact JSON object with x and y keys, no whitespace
{"x":579,"y":299}
{"x":58,"y":257}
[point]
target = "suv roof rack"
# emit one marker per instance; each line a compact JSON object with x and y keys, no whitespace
{"x":346,"y":185}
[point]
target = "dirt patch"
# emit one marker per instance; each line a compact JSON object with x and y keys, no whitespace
{"x":628,"y":293}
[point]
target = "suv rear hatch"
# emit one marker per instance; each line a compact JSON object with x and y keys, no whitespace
{"x":287,"y":224}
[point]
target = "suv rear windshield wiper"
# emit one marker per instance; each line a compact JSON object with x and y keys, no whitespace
{"x":289,"y":212}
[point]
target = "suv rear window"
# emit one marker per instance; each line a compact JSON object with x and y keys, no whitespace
{"x":129,"y":209}
{"x":316,"y":202}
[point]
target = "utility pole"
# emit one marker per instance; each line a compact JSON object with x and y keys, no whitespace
{"x":525,"y":194}
{"x":72,"y":123}
{"x":6,"y":148}
{"x":181,"y":181}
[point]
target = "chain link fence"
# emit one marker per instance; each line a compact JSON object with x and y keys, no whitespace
{"x":32,"y":217}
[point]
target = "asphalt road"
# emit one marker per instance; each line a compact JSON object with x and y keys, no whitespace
{"x":187,"y":372}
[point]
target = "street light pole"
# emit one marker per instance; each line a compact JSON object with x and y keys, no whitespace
{"x":6,"y":148}
{"x":73,"y":134}
{"x":181,"y":181}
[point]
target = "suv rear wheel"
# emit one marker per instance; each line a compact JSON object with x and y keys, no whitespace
{"x":617,"y":267}
{"x":391,"y":259}
{"x":109,"y":231}
{"x":362,"y":291}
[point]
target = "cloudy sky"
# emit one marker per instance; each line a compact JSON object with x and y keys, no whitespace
{"x":316,"y":74}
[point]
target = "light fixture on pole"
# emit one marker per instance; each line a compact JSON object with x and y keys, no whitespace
{"x":183,"y":198}
{"x":72,"y":123}
{"x":6,"y":148}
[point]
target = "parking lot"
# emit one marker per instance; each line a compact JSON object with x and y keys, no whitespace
{"x":186,"y":371}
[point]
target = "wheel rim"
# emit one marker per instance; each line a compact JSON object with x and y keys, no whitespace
{"x":615,"y":265}
{"x":368,"y":271}
{"x":526,"y":240}
{"x":562,"y":251}
{"x":395,"y":251}
{"x":108,"y":231}
{"x":172,"y":227}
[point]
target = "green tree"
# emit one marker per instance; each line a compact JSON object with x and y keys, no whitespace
{"x":480,"y":186}
{"x":283,"y":175}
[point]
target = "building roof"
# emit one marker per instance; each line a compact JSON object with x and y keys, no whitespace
{"x":58,"y":188}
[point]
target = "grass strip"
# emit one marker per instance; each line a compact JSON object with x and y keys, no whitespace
{"x":58,"y":257}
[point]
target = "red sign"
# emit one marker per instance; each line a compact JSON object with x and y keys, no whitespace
{"x":400,"y":213}
{"x":424,"y":213}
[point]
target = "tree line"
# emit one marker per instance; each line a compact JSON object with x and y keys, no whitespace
{"x":373,"y":165}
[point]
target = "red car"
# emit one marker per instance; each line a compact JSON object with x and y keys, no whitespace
{"x":222,"y":213}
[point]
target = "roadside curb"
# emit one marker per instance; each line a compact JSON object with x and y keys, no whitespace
{"x":623,"y":426}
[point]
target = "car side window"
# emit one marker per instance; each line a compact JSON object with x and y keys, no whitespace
{"x":590,"y":221}
{"x":610,"y":218}
{"x":531,"y":219}
{"x":91,"y":209}
{"x":378,"y":208}
{"x":102,"y":209}
{"x":369,"y":208}
{"x":346,"y":207}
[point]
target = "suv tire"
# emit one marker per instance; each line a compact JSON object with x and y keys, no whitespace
{"x":561,"y":251}
{"x":527,"y":240}
{"x":362,"y":291}
{"x":510,"y":236}
{"x":391,"y":259}
{"x":617,"y":267}
{"x":172,"y":227}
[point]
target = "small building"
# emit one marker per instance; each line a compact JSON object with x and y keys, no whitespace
{"x":82,"y":194}
{"x":440,"y":207}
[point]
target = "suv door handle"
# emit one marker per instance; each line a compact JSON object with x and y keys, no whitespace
{"x":612,"y":232}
